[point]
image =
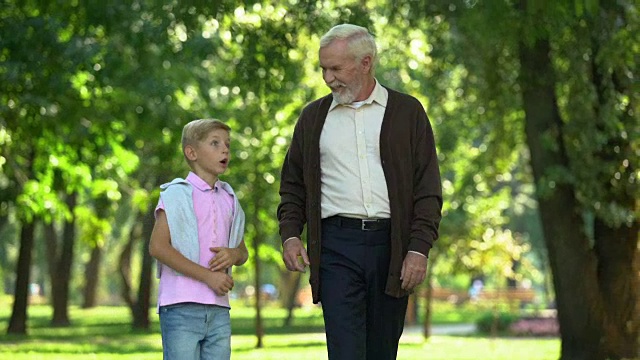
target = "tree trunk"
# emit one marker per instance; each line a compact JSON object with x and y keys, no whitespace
{"x":92,"y":276}
{"x":636,"y":269}
{"x":18,"y":321}
{"x":291,"y":281}
{"x":617,"y":250}
{"x":257,"y":200}
{"x":143,"y":301}
{"x":139,"y":306}
{"x":92,"y":268}
{"x":60,"y":292}
{"x":124,"y":268}
{"x":258,"y":297}
{"x":51,"y":249}
{"x":428,"y":303}
{"x":616,"y":247}
{"x":411,"y":315}
{"x":579,"y":303}
{"x":258,"y":292}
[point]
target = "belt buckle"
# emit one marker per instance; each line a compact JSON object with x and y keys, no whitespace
{"x":364,"y":224}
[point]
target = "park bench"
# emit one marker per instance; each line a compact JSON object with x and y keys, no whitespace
{"x":509,"y":295}
{"x":515,"y":296}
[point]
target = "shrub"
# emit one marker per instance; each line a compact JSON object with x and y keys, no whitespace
{"x":495,"y":322}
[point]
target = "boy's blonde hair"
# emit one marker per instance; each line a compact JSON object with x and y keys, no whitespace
{"x":197,"y":130}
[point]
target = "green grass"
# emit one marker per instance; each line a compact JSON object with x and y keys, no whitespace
{"x":105,"y":333}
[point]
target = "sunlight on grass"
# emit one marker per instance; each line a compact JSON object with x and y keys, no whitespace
{"x":105,"y":333}
{"x":474,"y":348}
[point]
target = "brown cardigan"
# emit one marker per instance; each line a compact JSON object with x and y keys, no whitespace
{"x":410,"y":165}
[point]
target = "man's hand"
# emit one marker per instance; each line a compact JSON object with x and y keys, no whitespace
{"x":414,"y":270}
{"x":292,"y":249}
{"x":219,"y":282}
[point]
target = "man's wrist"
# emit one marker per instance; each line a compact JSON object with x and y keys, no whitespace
{"x":415,"y":252}
{"x":291,"y":238}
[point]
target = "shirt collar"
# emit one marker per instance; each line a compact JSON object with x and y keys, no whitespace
{"x":200,"y":184}
{"x":379,"y":95}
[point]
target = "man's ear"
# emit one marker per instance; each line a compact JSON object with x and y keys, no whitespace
{"x":190,"y":153}
{"x":367,"y":64}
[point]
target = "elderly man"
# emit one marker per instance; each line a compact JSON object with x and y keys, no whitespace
{"x":362,"y":173}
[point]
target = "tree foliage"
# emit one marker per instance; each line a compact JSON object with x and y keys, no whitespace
{"x":94,"y":95}
{"x":561,"y":75}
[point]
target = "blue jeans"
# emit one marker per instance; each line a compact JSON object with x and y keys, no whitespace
{"x":192,"y":331}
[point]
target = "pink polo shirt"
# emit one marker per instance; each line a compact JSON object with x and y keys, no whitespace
{"x":214,"y":213}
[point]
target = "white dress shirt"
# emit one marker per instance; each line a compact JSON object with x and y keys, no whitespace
{"x":353,"y":182}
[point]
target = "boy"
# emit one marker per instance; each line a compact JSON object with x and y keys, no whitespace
{"x":197,"y":237}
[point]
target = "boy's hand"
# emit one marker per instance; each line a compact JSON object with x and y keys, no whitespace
{"x":224,"y":259}
{"x":220,"y":283}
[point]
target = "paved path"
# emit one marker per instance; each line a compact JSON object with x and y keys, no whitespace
{"x":452,"y":329}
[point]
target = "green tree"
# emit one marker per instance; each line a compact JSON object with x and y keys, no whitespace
{"x":480,"y":161}
{"x":41,"y":106}
{"x":561,"y":75}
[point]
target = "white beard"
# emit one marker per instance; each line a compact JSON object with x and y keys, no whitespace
{"x":347,"y":95}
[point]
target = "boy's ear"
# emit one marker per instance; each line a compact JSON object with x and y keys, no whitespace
{"x":190,"y":152}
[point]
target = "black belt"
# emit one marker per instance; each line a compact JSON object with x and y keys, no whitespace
{"x":361,"y":224}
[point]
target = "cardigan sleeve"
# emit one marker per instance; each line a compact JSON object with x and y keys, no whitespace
{"x":427,"y":198}
{"x":291,"y":210}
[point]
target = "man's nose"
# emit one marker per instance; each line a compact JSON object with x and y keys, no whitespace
{"x":328,"y":76}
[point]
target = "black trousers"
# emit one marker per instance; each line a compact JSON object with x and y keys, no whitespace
{"x":361,"y":321}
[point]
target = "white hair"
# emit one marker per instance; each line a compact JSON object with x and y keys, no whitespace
{"x":360,"y":42}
